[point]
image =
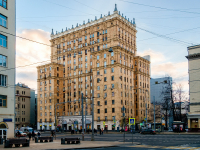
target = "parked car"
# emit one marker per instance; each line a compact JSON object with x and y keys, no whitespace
{"x":21,"y":134}
{"x":147,"y":131}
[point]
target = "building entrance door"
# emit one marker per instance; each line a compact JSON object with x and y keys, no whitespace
{"x":3,"y":131}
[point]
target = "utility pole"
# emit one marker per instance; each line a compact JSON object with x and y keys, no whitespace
{"x":154,"y":116}
{"x":82,"y":118}
{"x":85,"y":117}
{"x":92,"y":138}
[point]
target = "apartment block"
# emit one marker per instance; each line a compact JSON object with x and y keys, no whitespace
{"x":194,"y":86}
{"x":98,"y":56}
{"x":33,"y":109}
{"x":7,"y":67}
{"x":22,"y":106}
{"x":161,"y":89}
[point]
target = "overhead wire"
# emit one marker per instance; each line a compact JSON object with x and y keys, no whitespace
{"x":163,"y":8}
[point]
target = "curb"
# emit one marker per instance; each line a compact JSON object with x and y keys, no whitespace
{"x":84,"y":147}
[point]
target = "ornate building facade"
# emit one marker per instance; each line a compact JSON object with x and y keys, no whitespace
{"x":99,"y":55}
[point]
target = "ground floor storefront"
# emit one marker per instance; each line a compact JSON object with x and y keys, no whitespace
{"x":7,"y":127}
{"x":193,"y":122}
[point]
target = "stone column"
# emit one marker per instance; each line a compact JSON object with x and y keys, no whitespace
{"x":198,"y":122}
{"x":188,"y":123}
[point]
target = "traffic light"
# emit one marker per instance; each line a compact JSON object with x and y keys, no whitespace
{"x":127,"y":120}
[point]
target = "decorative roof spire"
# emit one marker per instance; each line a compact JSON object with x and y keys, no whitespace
{"x":84,"y":22}
{"x":133,"y":20}
{"x":72,"y":26}
{"x":66,"y":28}
{"x":77,"y":25}
{"x":62,"y":30}
{"x":128,"y":19}
{"x":88,"y":20}
{"x":125,"y":17}
{"x":122,"y":15}
{"x":101,"y":16}
{"x":56,"y":32}
{"x":52,"y":32}
{"x":119,"y":13}
{"x":95,"y":17}
{"x":115,"y":7}
{"x":109,"y":13}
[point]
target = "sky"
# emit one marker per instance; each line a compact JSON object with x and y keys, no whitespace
{"x":164,"y":31}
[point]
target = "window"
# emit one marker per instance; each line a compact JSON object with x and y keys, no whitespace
{"x":104,"y":63}
{"x":98,"y":72}
{"x":3,"y":40}
{"x":3,"y":60}
{"x":112,"y":61}
{"x":113,"y":110}
{"x":98,"y":118}
{"x":105,"y":118}
{"x":3,"y":80}
{"x":3,"y":3}
{"x":105,"y":102}
{"x":98,"y":111}
{"x":113,"y":102}
{"x":105,"y":71}
{"x":113,"y":86}
{"x":113,"y":93}
{"x":97,"y":64}
{"x":3,"y":101}
{"x":98,"y":87}
{"x":112,"y":53}
{"x":105,"y":79}
{"x":104,"y":55}
{"x":97,"y":57}
{"x":105,"y":87}
{"x":3,"y":21}
{"x":105,"y":110}
{"x":112,"y":70}
{"x":112,"y":78}
{"x":98,"y":103}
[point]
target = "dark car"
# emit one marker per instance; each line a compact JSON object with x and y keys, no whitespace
{"x":148,"y":131}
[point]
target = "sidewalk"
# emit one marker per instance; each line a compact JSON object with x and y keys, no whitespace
{"x":175,"y":133}
{"x":56,"y":144}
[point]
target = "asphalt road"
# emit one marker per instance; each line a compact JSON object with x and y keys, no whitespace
{"x":154,"y":140}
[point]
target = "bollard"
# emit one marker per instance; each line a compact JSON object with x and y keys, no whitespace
{"x":36,"y":140}
{"x":1,"y":141}
{"x":82,"y":136}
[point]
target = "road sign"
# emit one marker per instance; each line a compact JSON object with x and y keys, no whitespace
{"x":132,"y":121}
{"x":114,"y":121}
{"x":145,"y":119}
{"x":163,"y":118}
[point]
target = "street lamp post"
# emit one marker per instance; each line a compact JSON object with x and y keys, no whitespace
{"x":92,"y":138}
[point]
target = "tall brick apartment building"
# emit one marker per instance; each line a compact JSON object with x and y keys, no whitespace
{"x":81,"y":54}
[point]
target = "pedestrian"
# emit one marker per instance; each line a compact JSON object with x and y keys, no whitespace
{"x":102,"y":131}
{"x":18,"y":134}
{"x":29,"y":135}
{"x":33,"y":135}
{"x":38,"y":134}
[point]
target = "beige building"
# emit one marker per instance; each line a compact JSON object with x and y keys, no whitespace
{"x":80,"y":55}
{"x":194,"y":86}
{"x":22,"y":105}
{"x":7,"y":65}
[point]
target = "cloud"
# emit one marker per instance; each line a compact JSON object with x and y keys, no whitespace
{"x":160,"y":67}
{"x":28,"y":52}
{"x":156,"y":57}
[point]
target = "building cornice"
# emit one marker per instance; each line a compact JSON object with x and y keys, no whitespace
{"x":96,"y":21}
{"x":193,"y":56}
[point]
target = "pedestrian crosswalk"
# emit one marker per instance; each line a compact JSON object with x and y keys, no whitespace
{"x":167,"y":147}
